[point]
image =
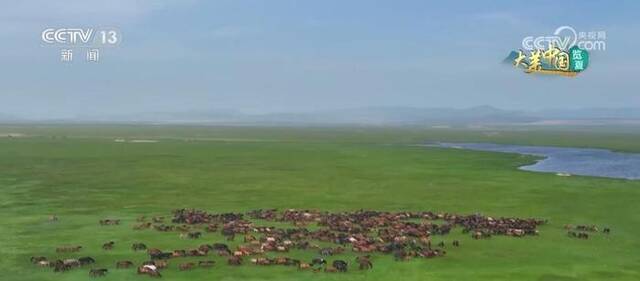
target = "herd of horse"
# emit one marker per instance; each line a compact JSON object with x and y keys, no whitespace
{"x":404,"y":235}
{"x":582,"y":231}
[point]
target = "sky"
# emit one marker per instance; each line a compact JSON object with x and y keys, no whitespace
{"x":297,"y":56}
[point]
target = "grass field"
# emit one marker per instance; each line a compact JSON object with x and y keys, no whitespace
{"x":80,"y":174}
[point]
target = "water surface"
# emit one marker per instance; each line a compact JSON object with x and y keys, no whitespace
{"x":568,"y":160}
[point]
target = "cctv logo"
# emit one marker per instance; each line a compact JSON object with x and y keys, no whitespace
{"x":565,"y":37}
{"x":542,"y":42}
{"x":68,"y":36}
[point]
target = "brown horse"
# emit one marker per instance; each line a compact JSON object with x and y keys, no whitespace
{"x":364,"y":262}
{"x":98,"y":272}
{"x":138,"y":247}
{"x":108,"y":246}
{"x":124,"y":264}
{"x":186,"y":266}
{"x":69,"y":249}
{"x":234,"y":260}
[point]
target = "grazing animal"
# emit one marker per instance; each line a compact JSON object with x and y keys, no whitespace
{"x":249,"y":238}
{"x":480,"y":235}
{"x":161,"y":256}
{"x":262,"y":261}
{"x":326,"y":252}
{"x":206,"y":263}
{"x":109,"y":222}
{"x":281,"y":261}
{"x":456,"y":243}
{"x":71,"y":262}
{"x":318,"y":262}
{"x":138,"y":247}
{"x":38,"y":259}
{"x":590,"y":228}
{"x":154,"y":274}
{"x":401,"y":255}
{"x":186,"y":266}
{"x":150,"y":270}
{"x":70,"y":249}
{"x":234,"y":260}
{"x":98,"y":272}
{"x":364,"y":262}
{"x":222,"y":249}
{"x":141,"y":226}
{"x":231,"y":237}
{"x":60,"y":266}
{"x":179,"y":253}
{"x":154,"y":251}
{"x":205,"y":248}
{"x":108,"y":246}
{"x":238,"y":253}
{"x":292,"y":262}
{"x":86,"y":260}
{"x":160,"y":264}
{"x":340,"y":265}
{"x":330,"y":269}
{"x":194,"y":235}
{"x":220,"y":246}
{"x":124,"y":264}
{"x":197,"y":253}
{"x":157,"y":219}
{"x":164,"y":228}
{"x":579,"y":235}
{"x":211,"y":228}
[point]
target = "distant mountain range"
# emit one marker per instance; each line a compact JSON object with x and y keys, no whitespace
{"x":369,"y":116}
{"x":591,"y":113}
{"x":7,"y":118}
{"x":403,"y":116}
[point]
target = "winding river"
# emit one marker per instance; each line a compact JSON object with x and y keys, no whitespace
{"x":567,"y":161}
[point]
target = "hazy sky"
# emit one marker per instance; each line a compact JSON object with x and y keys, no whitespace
{"x":271,"y":55}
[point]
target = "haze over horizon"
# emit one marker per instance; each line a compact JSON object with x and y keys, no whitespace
{"x":265,"y":57}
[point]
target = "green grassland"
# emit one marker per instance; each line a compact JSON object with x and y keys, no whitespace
{"x":80,"y":174}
